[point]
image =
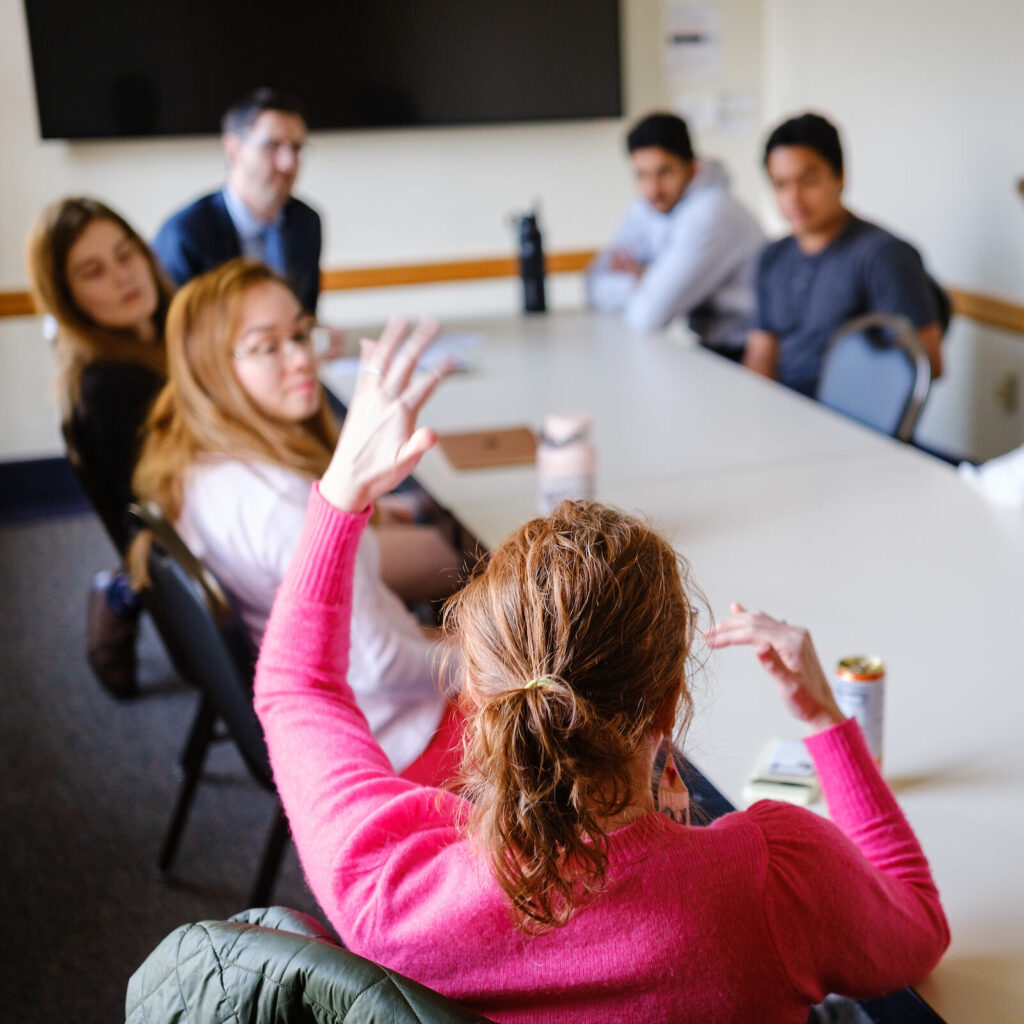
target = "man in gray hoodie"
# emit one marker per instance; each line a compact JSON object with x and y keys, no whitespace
{"x":686,"y":247}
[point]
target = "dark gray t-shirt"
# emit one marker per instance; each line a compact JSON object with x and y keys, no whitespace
{"x":802,"y":298}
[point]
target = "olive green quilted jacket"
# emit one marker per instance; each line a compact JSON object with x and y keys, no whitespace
{"x":274,"y":965}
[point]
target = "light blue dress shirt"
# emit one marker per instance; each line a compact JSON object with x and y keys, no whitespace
{"x":259,"y":239}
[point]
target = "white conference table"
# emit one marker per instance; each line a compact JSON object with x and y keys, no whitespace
{"x":654,"y":417}
{"x":785,"y":506}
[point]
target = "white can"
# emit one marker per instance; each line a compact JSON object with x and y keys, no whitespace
{"x":859,"y":689}
{"x":566,"y":462}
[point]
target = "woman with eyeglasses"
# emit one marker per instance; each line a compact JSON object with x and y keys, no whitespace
{"x":234,"y":442}
{"x":93,"y":273}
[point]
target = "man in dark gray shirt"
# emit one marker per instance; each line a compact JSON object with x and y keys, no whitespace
{"x":833,"y":267}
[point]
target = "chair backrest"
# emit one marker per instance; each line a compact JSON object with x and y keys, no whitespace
{"x":876,"y":371}
{"x":204,"y":634}
{"x":112,"y":514}
{"x":275,"y":964}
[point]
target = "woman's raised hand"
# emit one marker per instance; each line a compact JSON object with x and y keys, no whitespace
{"x":788,"y":655}
{"x":380,"y":443}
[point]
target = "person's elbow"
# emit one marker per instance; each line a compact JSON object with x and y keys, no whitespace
{"x":943,"y":935}
{"x":600,"y":300}
{"x":647,"y":316}
{"x":608,"y":291}
{"x":931,"y":943}
{"x":931,"y":340}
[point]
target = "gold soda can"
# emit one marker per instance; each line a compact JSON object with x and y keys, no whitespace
{"x":860,"y":693}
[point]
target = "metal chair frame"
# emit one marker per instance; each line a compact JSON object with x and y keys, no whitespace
{"x":905,"y":339}
{"x":223,"y":674}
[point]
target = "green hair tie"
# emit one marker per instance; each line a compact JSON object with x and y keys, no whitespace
{"x":539,"y":681}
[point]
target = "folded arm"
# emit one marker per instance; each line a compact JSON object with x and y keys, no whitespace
{"x":612,"y":277}
{"x":699,"y":254}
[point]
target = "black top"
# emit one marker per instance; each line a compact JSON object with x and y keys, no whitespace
{"x":107,"y":423}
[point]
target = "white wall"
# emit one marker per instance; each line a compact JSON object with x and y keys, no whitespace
{"x":925,"y":91}
{"x":390,"y":196}
{"x":927,"y":94}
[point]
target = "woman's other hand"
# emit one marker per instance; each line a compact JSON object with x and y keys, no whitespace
{"x":380,"y":443}
{"x":788,"y":655}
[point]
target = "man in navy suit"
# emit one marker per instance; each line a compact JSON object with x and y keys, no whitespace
{"x":254,"y":214}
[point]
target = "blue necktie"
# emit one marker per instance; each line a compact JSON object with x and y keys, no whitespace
{"x":273,"y":249}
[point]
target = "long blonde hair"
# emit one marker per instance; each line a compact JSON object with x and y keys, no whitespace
{"x":203,"y":409}
{"x":80,"y":340}
{"x":574,"y":635}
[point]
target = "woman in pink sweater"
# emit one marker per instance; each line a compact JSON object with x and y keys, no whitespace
{"x":552,"y":889}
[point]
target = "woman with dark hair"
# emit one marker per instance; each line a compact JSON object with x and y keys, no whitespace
{"x":551,"y":888}
{"x":93,"y":273}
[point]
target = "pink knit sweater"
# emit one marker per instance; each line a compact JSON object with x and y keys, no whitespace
{"x":752,"y":918}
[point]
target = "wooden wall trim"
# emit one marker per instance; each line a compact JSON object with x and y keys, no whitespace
{"x":984,"y":309}
{"x":457,"y":270}
{"x":16,"y":304}
{"x":987,"y":309}
{"x":19,"y":303}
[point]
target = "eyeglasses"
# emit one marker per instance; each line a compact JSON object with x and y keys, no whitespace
{"x":275,"y":146}
{"x":274,"y":351}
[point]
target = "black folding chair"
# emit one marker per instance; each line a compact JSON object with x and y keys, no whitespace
{"x":212,"y":650}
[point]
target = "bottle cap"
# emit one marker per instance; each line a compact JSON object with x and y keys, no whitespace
{"x":564,"y":428}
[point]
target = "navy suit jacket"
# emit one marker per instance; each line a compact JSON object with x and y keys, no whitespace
{"x":203,"y":236}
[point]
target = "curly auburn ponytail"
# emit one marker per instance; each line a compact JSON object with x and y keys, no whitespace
{"x":574,"y":636}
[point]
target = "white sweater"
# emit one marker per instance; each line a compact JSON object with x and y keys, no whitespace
{"x":243,"y":520}
{"x":699,"y":259}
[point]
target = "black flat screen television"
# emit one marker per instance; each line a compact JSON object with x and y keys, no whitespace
{"x":113,"y":68}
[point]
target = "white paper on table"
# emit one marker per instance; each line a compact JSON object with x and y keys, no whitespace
{"x":1001,"y":480}
{"x":789,"y":758}
{"x":456,"y":345}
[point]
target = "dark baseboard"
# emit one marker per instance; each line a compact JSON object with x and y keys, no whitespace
{"x":38,"y":488}
{"x":953,"y":458}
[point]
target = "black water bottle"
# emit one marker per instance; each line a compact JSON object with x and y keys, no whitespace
{"x":531,"y":263}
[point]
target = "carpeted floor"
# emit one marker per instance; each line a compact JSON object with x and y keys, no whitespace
{"x":87,"y":786}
